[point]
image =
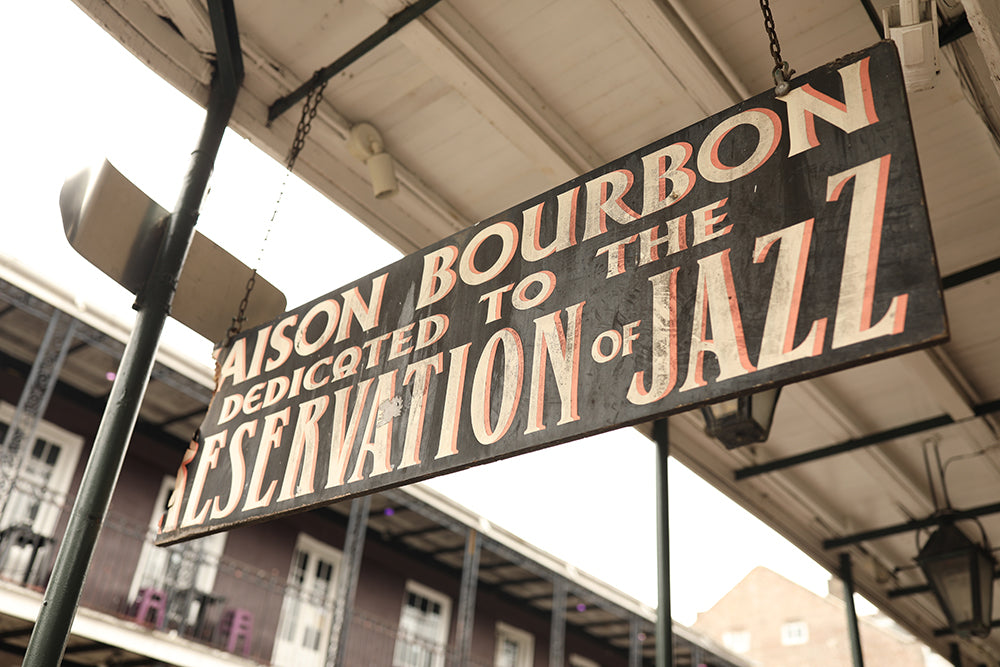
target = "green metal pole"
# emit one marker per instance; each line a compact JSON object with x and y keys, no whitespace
{"x":664,"y":623}
{"x":62,"y":595}
{"x":847,"y":577}
{"x":954,"y":654}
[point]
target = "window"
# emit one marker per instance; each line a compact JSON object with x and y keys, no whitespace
{"x":45,"y":469}
{"x":579,"y":661}
{"x":737,"y":641}
{"x":794,"y":633}
{"x":423,"y":628}
{"x":306,"y":611}
{"x":515,"y":647}
{"x":34,"y":479}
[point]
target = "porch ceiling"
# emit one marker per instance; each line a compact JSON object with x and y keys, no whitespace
{"x":485,"y":103}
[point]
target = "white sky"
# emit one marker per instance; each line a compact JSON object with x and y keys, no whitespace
{"x":73,"y":95}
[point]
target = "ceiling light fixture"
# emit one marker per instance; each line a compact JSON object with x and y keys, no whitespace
{"x":365,"y":143}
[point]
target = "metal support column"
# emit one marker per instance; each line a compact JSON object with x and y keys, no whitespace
{"x":467,"y":599}
{"x":954,"y":654}
{"x":557,"y":634}
{"x":847,"y":577}
{"x":34,"y":400}
{"x":634,"y":643}
{"x":62,"y":595}
{"x":664,"y":623}
{"x":347,"y":580}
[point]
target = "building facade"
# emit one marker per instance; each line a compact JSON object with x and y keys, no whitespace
{"x":774,"y":622}
{"x":405,"y":577}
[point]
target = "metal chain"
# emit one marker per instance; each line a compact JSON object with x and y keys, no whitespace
{"x":782,"y":71}
{"x":309,"y":109}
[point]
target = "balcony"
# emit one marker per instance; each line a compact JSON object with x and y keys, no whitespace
{"x":185,"y":596}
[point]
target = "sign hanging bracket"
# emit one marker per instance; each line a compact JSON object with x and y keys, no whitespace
{"x":782,"y":71}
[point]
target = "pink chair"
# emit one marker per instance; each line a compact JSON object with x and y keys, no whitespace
{"x":236,"y":624}
{"x":151,"y":607}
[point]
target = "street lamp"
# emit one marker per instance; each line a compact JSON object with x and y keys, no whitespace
{"x":741,"y":421}
{"x":960,"y":572}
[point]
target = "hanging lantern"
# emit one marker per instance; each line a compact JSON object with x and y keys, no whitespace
{"x":741,"y":421}
{"x":960,"y":572}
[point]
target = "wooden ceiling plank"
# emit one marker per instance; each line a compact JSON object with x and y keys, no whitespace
{"x":683,"y":52}
{"x":517,"y":90}
{"x":949,"y":388}
{"x":146,"y":26}
{"x":191,"y":19}
{"x":984,"y":17}
{"x":391,"y":218}
{"x":455,"y":66}
{"x":823,"y":403}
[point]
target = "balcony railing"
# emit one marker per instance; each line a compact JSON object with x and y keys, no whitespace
{"x":191,"y":592}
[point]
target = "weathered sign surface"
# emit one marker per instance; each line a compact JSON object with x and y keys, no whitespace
{"x":782,"y":238}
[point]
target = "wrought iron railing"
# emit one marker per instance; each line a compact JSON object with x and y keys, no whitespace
{"x":190,"y":592}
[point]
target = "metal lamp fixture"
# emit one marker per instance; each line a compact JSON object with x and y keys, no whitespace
{"x":960,"y":572}
{"x":741,"y":421}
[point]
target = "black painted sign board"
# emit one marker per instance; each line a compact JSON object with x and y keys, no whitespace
{"x":777,"y":240}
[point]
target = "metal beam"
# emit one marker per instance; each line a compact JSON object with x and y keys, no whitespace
{"x":908,"y":590}
{"x":445,"y":552}
{"x":498,"y":565}
{"x":980,"y":410}
{"x":843,"y":447}
{"x":179,"y":418}
{"x":948,"y":632}
{"x":517,"y":582}
{"x":87,"y":648}
{"x":15,"y":650}
{"x":76,"y":348}
{"x":391,"y":27}
{"x":467,"y":599}
{"x":910,"y":526}
{"x":920,"y":588}
{"x":598,"y":624}
{"x":972,"y":273}
{"x":416,"y":533}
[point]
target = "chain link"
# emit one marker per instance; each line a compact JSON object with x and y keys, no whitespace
{"x":782,"y":71}
{"x":309,"y":109}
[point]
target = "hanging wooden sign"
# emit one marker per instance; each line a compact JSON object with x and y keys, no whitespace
{"x":777,"y":240}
